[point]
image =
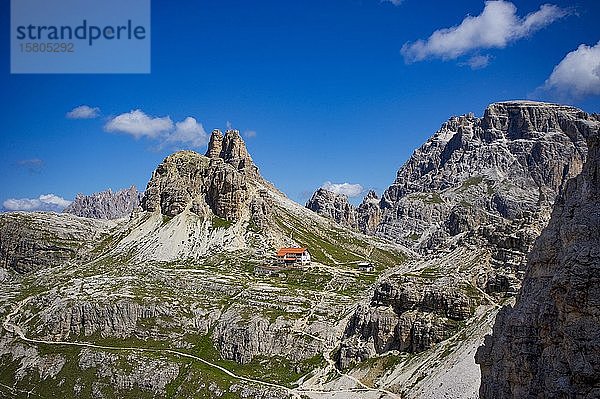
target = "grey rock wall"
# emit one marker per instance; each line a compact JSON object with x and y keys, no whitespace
{"x":548,"y":344}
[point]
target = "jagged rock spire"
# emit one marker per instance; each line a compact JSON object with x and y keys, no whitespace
{"x":334,"y":206}
{"x":186,"y":179}
{"x":231,"y":148}
{"x":215,"y":144}
{"x":105,"y":204}
{"x":369,"y":213}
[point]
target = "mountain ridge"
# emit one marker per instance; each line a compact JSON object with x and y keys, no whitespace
{"x":190,"y":279}
{"x":105,"y":204}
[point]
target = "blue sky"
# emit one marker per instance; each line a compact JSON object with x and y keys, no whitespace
{"x":339,"y":91}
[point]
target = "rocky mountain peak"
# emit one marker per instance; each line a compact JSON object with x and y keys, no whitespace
{"x":524,"y":150}
{"x":217,"y":182}
{"x":516,"y":120}
{"x":105,"y":204}
{"x":369,"y":213}
{"x":370,"y":197}
{"x":510,"y":163}
{"x":334,"y":206}
{"x":546,"y":345}
{"x":229,"y":147}
{"x":215,"y":144}
{"x":364,"y":218}
{"x":188,"y":180}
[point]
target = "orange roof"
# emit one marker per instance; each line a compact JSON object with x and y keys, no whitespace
{"x":285,"y":251}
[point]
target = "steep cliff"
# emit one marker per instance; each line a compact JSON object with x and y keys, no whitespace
{"x":33,"y":241}
{"x":471,"y":200}
{"x":510,"y":163}
{"x":406,"y":315}
{"x":365,"y":217}
{"x":188,"y":179}
{"x":547,"y":344}
{"x":369,"y":213}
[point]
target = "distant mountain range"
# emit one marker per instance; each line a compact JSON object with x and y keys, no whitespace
{"x":106,"y":204}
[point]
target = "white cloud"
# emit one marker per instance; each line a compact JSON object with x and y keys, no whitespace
{"x":83,"y":112}
{"x":496,"y":27}
{"x":477,"y":61}
{"x":394,"y":2}
{"x":350,"y":190}
{"x":249,"y":134}
{"x":578,"y":74}
{"x":188,"y":131}
{"x":46,"y":202}
{"x":138,"y":124}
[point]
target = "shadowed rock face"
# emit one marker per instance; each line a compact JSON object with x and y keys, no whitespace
{"x":369,"y":213}
{"x":106,"y":204}
{"x":548,"y":344}
{"x":218,"y":180}
{"x":215,"y":144}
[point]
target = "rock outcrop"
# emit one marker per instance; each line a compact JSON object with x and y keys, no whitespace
{"x":365,"y":217}
{"x":215,"y":144}
{"x":509,"y":163}
{"x":408,"y":314}
{"x":369,"y":213}
{"x":32,"y":241}
{"x":105,"y":204}
{"x":334,"y":206}
{"x":188,"y":180}
{"x":548,"y":344}
{"x":243,"y":340}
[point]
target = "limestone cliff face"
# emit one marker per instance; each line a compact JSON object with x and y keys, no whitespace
{"x":188,"y":180}
{"x":548,"y":344}
{"x":405,"y":315}
{"x":365,"y":217}
{"x":334,"y":206}
{"x":234,"y":152}
{"x":471,"y":200}
{"x":215,"y":144}
{"x":509,"y":163}
{"x":106,"y":204}
{"x":33,"y":241}
{"x":369,"y":213}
